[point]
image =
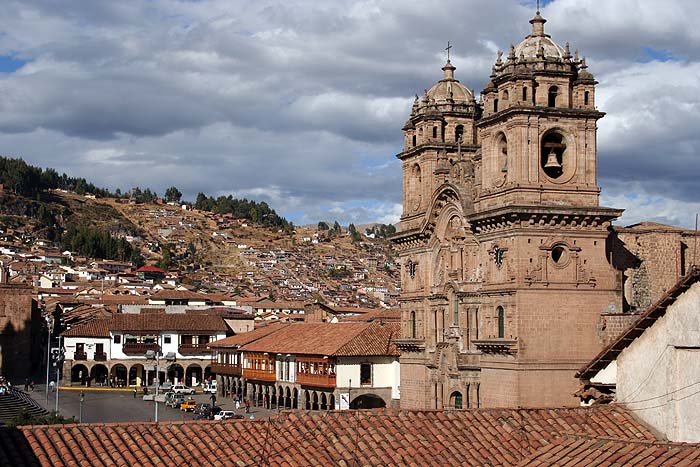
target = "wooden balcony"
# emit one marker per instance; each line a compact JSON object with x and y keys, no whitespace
{"x":317,"y":380}
{"x":100,"y":356}
{"x":260,"y":375}
{"x":79,"y":356}
{"x":231,"y":369}
{"x":139,"y":348}
{"x":193,"y":349}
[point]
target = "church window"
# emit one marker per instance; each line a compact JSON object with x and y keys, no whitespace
{"x":552,"y":95}
{"x":585,"y":98}
{"x":414,"y":140}
{"x":455,"y":310}
{"x":501,"y":322}
{"x":495,"y":105}
{"x":502,"y":152}
{"x":506,"y":96}
{"x":459,"y":131}
{"x":525,"y":93}
{"x":456,"y":400}
{"x":413,"y":324}
{"x":434,"y":132}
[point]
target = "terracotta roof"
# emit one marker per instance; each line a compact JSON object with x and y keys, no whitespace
{"x":380,"y":314}
{"x":495,"y":437}
{"x":341,"y":339}
{"x":178,"y":295}
{"x":92,"y":328}
{"x":645,"y":320}
{"x":247,"y":337}
{"x":376,"y":340}
{"x":575,"y":451}
{"x":166,"y":322}
{"x":150,"y":269}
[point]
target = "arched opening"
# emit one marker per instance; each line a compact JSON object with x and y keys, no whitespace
{"x":314,"y":401}
{"x":524,"y":93}
{"x":175,"y":373}
{"x":193,"y":375}
{"x":415,"y":186}
{"x":331,"y":402}
{"x":368,"y":401}
{"x":502,"y":152}
{"x":552,"y":96}
{"x":495,"y":105}
{"x":505,"y":96}
{"x":459,"y":131}
{"x":585,"y":98}
{"x":434,"y":132}
{"x":501,"y":314}
{"x":136,"y":375}
{"x":413,"y":324}
{"x":117,"y":377}
{"x":553,"y":153}
{"x":98,"y":375}
{"x":456,"y":400}
{"x":307,"y":400}
{"x":287,"y":399}
{"x":455,"y":308}
{"x":208,"y":373}
{"x":324,"y":401}
{"x":79,"y":374}
{"x":413,"y":140}
{"x":295,"y":399}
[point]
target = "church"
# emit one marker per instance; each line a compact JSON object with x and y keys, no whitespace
{"x":513,"y":275}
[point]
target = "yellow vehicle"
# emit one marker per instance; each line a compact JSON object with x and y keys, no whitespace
{"x":188,"y":405}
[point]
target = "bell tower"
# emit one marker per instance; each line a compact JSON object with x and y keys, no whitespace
{"x":505,"y":272}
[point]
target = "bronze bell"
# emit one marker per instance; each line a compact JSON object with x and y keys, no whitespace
{"x":552,"y":162}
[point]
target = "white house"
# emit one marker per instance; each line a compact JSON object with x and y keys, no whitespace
{"x":653,"y":368}
{"x":112,"y":351}
{"x":314,"y":366}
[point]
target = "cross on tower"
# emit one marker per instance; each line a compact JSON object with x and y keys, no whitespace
{"x":448,"y":50}
{"x":538,"y":6}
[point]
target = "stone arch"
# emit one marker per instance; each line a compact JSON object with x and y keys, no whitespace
{"x":287,"y":398}
{"x":307,"y":399}
{"x":500,"y":149}
{"x":552,"y":94}
{"x":368,"y":401}
{"x":280,"y":397}
{"x":557,"y":155}
{"x":314,"y":401}
{"x":118,"y":375}
{"x":99,"y":374}
{"x":324,"y":402}
{"x":331,"y":402}
{"x":136,"y":375}
{"x":295,"y":398}
{"x":175,"y":371}
{"x":79,"y":374}
{"x":193,"y":374}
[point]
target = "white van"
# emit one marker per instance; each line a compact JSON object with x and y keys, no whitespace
{"x":209,"y":387}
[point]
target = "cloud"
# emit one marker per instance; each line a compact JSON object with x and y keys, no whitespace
{"x":301,"y":103}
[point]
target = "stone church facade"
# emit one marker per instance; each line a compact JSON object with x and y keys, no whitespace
{"x":511,"y":269}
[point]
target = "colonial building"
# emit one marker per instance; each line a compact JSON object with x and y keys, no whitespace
{"x":507,"y":268}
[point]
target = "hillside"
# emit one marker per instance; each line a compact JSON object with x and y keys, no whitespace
{"x":214,"y":251}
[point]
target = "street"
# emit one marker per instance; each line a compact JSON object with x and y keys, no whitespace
{"x":118,"y":405}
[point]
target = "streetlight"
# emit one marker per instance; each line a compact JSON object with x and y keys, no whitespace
{"x":59,"y":364}
{"x":49,"y":326}
{"x":82,"y":398}
{"x":153,"y":355}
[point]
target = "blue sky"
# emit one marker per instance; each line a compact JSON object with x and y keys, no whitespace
{"x":300,"y":103}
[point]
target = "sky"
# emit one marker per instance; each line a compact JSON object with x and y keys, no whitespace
{"x":300,"y":103}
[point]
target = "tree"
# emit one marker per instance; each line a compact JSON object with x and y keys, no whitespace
{"x":173,"y":195}
{"x":323,"y":226}
{"x":354,"y":234}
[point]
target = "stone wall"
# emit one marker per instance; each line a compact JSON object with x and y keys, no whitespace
{"x":17,"y":308}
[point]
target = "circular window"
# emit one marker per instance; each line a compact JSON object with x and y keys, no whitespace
{"x":560,"y":256}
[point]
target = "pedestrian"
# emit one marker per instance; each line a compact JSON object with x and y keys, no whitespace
{"x":52,"y":386}
{"x":247,"y":406}
{"x":134,"y":392}
{"x":238,"y":404}
{"x":31,"y":385}
{"x":26,"y":384}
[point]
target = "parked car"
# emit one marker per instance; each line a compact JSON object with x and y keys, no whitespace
{"x":227,"y":415}
{"x":175,"y":401}
{"x":202,"y":408}
{"x":209,"y":387}
{"x":208,"y":414}
{"x":182,"y":389}
{"x":188,"y":405}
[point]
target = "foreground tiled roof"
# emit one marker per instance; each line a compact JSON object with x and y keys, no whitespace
{"x":377,"y":339}
{"x":493,"y":437}
{"x":247,"y":337}
{"x":92,"y":328}
{"x":584,"y":451}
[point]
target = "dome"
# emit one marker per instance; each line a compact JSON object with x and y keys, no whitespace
{"x":449,"y":89}
{"x":538,"y":44}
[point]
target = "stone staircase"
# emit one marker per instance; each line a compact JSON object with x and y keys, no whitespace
{"x":13,"y":402}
